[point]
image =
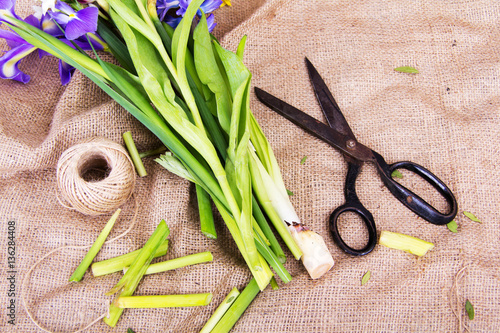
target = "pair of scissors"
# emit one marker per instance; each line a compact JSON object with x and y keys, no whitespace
{"x":339,"y":135}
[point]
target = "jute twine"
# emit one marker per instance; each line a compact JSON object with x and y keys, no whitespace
{"x":91,"y":194}
{"x":79,"y":186}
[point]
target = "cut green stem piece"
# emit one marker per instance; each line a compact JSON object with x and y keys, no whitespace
{"x":274,"y":283}
{"x":117,"y":264}
{"x":82,"y":268}
{"x":143,"y":258}
{"x":162,"y":301}
{"x":131,"y":279}
{"x":134,"y":154}
{"x":153,"y":152}
{"x":221,"y":310}
{"x":239,"y":306}
{"x":206,"y":214}
{"x":192,"y":259}
{"x":406,"y":243}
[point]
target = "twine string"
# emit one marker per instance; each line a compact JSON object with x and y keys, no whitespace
{"x":454,"y":299}
{"x":90,"y":197}
{"x":95,"y":197}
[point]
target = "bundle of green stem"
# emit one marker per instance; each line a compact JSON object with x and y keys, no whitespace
{"x":194,"y":96}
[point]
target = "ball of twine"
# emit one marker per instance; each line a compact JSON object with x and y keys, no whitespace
{"x":95,"y":176}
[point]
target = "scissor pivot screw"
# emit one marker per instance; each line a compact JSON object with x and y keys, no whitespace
{"x":351,"y":144}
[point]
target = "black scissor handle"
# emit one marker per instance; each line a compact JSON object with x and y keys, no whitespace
{"x":411,"y":200}
{"x":353,"y":204}
{"x":366,"y":216}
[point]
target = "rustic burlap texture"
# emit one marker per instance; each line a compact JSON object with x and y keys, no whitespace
{"x":446,"y":118}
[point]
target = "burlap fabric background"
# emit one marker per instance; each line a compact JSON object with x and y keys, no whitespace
{"x":445,"y":118}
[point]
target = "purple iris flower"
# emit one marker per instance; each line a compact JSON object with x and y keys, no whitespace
{"x":172,"y":11}
{"x":163,"y":6}
{"x":75,"y":24}
{"x":8,"y":5}
{"x":9,"y":62}
{"x":207,"y":6}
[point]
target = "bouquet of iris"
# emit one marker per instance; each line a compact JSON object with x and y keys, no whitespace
{"x":193,"y":95}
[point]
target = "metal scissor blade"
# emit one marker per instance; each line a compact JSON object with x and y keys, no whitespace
{"x":328,"y":104}
{"x":314,"y":126}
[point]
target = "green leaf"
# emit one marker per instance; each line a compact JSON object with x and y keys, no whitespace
{"x":453,"y":226}
{"x":396,"y":174}
{"x":236,"y":71}
{"x":116,"y":45}
{"x":472,"y":217}
{"x":303,"y":160}
{"x":241,"y":47}
{"x":470,"y":309}
{"x":130,"y":330}
{"x":406,"y":69}
{"x":175,"y":166}
{"x":179,"y":52}
{"x":209,"y":72}
{"x":289,"y":192}
{"x":365,"y":278}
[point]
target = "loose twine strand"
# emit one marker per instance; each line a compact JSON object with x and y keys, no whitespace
{"x":90,"y":197}
{"x":454,"y":298}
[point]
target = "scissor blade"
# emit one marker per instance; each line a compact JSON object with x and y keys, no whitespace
{"x":328,"y":104}
{"x":314,"y":126}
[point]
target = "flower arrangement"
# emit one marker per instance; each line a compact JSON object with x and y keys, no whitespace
{"x":194,"y":95}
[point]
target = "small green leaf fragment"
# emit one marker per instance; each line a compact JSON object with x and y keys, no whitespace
{"x":130,"y":330}
{"x":230,"y":299}
{"x":472,"y":217}
{"x":406,"y":69}
{"x":290,"y":193}
{"x":453,"y":226}
{"x":365,"y":278}
{"x":303,"y":160}
{"x":396,"y":174}
{"x":470,"y":309}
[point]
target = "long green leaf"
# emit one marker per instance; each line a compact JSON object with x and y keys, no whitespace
{"x":209,"y":73}
{"x":116,"y":45}
{"x":179,"y":48}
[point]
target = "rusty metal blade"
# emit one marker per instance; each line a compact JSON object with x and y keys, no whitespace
{"x":315,"y":127}
{"x":330,"y":108}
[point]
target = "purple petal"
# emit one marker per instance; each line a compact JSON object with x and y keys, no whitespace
{"x":65,"y":8}
{"x":211,"y":22}
{"x":172,"y":21}
{"x":60,"y":17}
{"x":163,"y":6}
{"x":42,"y":53}
{"x":82,"y":43}
{"x":11,"y":38}
{"x":183,"y":5}
{"x":7,"y":4}
{"x":96,"y":41}
{"x":85,"y":21}
{"x":209,"y":6}
{"x":167,"y":4}
{"x":49,"y":26}
{"x":65,"y":72}
{"x":9,"y":63}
